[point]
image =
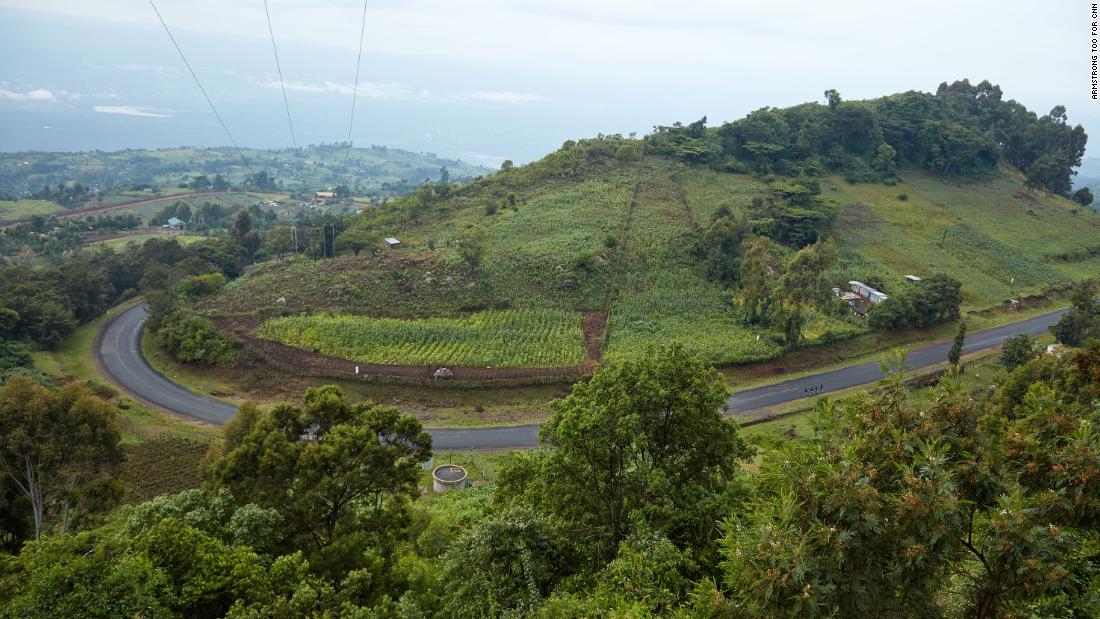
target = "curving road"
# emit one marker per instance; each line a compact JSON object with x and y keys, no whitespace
{"x":118,"y":353}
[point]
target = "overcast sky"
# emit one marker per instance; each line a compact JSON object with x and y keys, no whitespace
{"x":527,"y":74}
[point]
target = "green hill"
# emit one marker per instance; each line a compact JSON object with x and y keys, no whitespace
{"x":618,"y":227}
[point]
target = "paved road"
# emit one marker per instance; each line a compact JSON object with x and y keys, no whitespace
{"x":119,"y":353}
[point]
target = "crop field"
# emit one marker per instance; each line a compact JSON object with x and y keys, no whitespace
{"x":991,"y":235}
{"x":505,"y":338}
{"x":27,"y":208}
{"x":162,"y":466}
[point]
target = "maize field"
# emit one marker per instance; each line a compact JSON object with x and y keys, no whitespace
{"x":519,"y":338}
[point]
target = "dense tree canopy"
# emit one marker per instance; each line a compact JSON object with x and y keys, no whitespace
{"x":962,"y":129}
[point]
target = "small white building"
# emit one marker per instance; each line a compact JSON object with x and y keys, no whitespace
{"x":392,"y":242}
{"x":867,"y":292}
{"x":912,"y":278}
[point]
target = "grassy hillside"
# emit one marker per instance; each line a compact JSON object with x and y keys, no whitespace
{"x":614,"y":235}
{"x":15,"y":209}
{"x":999,"y":240}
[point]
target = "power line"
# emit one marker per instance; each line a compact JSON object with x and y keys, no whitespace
{"x":198,"y":83}
{"x":279,"y":68}
{"x":355,"y":89}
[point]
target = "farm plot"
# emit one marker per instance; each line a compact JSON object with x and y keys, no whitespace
{"x":528,"y":338}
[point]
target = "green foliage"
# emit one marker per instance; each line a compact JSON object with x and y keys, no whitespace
{"x":893,"y":503}
{"x":472,"y":248}
{"x":60,"y":447}
{"x":1017,"y":350}
{"x":961,"y":130}
{"x":339,"y":473}
{"x":495,"y":338}
{"x":194,"y":339}
{"x":1082,"y":322}
{"x":207,"y":575}
{"x":77,"y":576}
{"x":195,"y":286}
{"x":1083,"y":196}
{"x":648,"y":569}
{"x":930,"y":301}
{"x":794,"y":214}
{"x":217,"y":515}
{"x":506,"y":566}
{"x":957,"y":345}
{"x":721,"y":248}
{"x":358,"y":238}
{"x":641,"y":441}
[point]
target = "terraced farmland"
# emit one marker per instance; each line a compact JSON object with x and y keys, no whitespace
{"x":530,"y":338}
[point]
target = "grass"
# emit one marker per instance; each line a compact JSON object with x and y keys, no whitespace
{"x":992,"y":235}
{"x":27,"y":208}
{"x":121,"y":242}
{"x":495,"y":338}
{"x":483,"y":466}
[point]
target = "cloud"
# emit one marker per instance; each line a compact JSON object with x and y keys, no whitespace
{"x":38,"y":94}
{"x":129,"y":110}
{"x":501,"y":96}
{"x":372,"y":90}
{"x":397,"y":92}
{"x":149,"y":68}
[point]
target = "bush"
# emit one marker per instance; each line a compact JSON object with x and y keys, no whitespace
{"x":585,"y":262}
{"x":931,"y":301}
{"x":1017,"y":350}
{"x":197,"y":286}
{"x":193,"y":339}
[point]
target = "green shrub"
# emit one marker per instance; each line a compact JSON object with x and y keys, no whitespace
{"x":193,"y":339}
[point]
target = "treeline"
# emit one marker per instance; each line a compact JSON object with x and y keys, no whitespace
{"x":639,"y":502}
{"x":40,"y":307}
{"x":67,"y":195}
{"x":210,"y":216}
{"x":962,"y":129}
{"x":52,"y":238}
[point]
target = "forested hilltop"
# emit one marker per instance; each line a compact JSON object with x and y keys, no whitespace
{"x":961,"y":130}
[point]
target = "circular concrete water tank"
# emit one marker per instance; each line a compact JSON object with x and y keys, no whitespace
{"x":448,"y":477}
